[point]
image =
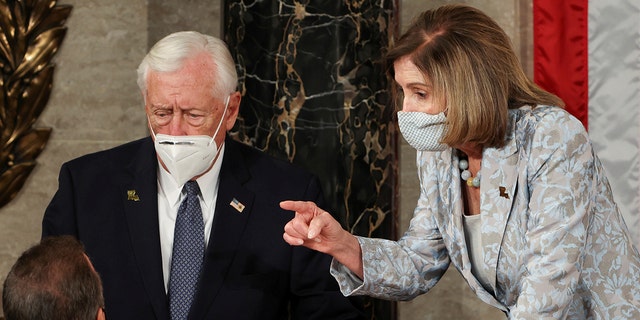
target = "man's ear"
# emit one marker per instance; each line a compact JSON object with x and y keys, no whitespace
{"x":101,"y":315}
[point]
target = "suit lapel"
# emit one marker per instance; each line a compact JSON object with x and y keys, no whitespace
{"x":140,"y":203}
{"x":452,"y":206}
{"x":450,"y":186}
{"x":498,"y":188}
{"x":234,"y":205}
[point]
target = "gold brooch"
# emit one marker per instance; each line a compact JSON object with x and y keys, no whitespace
{"x":132,"y":196}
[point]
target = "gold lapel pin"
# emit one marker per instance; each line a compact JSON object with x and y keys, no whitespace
{"x":132,"y":196}
{"x":237,"y":205}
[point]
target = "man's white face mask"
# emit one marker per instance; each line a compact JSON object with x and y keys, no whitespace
{"x":186,"y":157}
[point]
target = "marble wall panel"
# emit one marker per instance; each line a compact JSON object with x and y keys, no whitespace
{"x":315,"y":93}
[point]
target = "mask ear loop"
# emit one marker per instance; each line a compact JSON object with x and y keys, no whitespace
{"x":226,"y":104}
{"x":153,"y":134}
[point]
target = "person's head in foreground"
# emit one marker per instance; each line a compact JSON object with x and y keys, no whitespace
{"x":53,"y":280}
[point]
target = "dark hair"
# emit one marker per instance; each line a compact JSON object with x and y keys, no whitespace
{"x":474,"y":71}
{"x":53,"y":280}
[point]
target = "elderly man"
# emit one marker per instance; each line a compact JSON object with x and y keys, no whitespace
{"x":186,"y":223}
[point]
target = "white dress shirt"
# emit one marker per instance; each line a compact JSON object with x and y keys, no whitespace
{"x":170,"y":196}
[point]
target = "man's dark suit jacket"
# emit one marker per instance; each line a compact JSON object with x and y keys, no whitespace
{"x":109,"y":201}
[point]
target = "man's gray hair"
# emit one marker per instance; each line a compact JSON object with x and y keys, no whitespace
{"x":169,"y":53}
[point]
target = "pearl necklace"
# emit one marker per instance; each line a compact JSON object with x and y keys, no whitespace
{"x":465,"y":174}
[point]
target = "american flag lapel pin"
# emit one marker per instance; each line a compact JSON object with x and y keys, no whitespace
{"x":132,"y":196}
{"x":237,"y":205}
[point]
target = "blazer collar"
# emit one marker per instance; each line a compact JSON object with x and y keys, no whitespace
{"x":497,"y":193}
{"x":497,"y":190}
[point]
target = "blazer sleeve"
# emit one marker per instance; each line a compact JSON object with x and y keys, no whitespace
{"x":59,"y":217}
{"x":403,"y":269}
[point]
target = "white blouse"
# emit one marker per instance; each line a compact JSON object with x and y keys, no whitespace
{"x":473,"y":237}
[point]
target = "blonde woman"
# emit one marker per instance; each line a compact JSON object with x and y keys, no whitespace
{"x":512,"y":193}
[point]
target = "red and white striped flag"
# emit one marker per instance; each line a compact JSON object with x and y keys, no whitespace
{"x":588,"y":53}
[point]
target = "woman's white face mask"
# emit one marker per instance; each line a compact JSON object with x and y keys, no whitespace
{"x":186,"y":157}
{"x":423,"y":131}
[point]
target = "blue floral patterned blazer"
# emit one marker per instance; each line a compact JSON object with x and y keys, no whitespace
{"x":551,"y":230}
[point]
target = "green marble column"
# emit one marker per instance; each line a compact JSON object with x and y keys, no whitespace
{"x":315,"y":93}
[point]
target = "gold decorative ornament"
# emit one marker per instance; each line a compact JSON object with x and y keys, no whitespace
{"x":132,"y":196}
{"x":31,"y":32}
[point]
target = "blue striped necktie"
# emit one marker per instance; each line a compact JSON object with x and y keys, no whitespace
{"x":188,"y":254}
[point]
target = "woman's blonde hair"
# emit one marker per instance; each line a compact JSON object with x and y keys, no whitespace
{"x":474,"y":72}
